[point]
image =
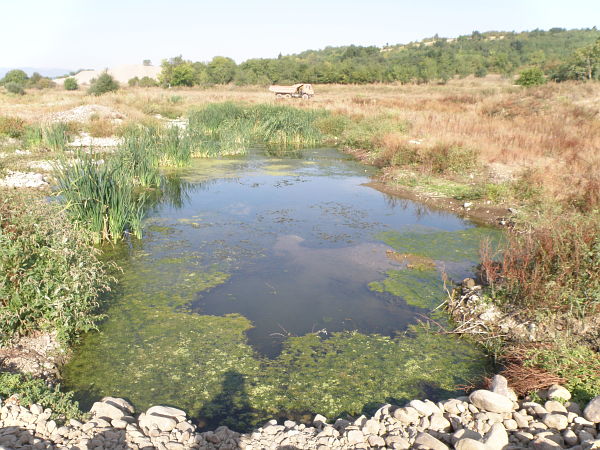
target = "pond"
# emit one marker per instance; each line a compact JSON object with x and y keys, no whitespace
{"x":269,"y":286}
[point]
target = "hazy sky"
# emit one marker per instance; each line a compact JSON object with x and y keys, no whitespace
{"x":97,"y":34}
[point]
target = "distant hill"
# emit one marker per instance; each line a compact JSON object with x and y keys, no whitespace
{"x":435,"y":58}
{"x":120,"y":73}
{"x":50,"y":73}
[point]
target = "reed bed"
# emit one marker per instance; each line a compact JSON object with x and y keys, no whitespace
{"x":230,"y":128}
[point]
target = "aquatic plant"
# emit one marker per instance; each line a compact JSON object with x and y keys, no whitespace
{"x":230,"y":128}
{"x":101,"y":197}
{"x":55,"y":136}
{"x":174,"y":147}
{"x":139,"y":157}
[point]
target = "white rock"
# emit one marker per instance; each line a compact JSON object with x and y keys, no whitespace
{"x":166,"y":411}
{"x":427,"y":441}
{"x":496,"y":438}
{"x":355,"y":437}
{"x":425,"y":408}
{"x":556,"y":391}
{"x":592,"y":410}
{"x":120,"y":403}
{"x":101,"y":409}
{"x":500,"y":386}
{"x":470,"y":444}
{"x":163,"y":423}
{"x":490,"y":401}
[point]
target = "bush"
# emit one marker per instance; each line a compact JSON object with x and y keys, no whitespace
{"x":553,"y":266}
{"x":14,"y":88}
{"x":71,"y":84}
{"x":132,"y":82}
{"x":13,"y":127}
{"x":148,"y":82}
{"x":50,"y":275}
{"x":15,"y":76}
{"x":531,"y":77}
{"x":103,"y":84}
{"x":32,"y":390}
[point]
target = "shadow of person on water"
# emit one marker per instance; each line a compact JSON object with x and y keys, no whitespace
{"x":230,"y":407}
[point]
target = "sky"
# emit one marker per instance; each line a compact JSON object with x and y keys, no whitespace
{"x":75,"y":34}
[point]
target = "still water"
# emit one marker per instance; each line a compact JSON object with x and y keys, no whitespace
{"x":271,"y":286}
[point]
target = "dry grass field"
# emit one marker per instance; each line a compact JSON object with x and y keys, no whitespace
{"x":547,"y":136}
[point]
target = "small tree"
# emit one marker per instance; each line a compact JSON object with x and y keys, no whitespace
{"x":103,"y":84}
{"x":135,"y":81}
{"x":15,"y":76}
{"x":147,"y":62}
{"x":14,"y":88}
{"x":533,"y":76}
{"x":71,"y":84}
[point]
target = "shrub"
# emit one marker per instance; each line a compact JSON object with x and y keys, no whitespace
{"x":103,"y":84}
{"x":14,"y":76}
{"x":132,"y":82}
{"x":71,"y":84}
{"x":15,"y":88}
{"x":100,"y":127}
{"x":552,"y":266}
{"x":531,"y":77}
{"x":50,"y":276}
{"x":13,"y":127}
{"x":148,"y":82}
{"x":33,"y":390}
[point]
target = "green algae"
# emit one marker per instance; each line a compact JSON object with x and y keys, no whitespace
{"x":417,"y":287}
{"x":441,"y":245}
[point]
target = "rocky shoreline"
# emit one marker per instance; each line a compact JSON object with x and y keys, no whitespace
{"x":487,"y":419}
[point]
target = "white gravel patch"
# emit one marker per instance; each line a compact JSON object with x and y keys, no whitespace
{"x":16,"y":179}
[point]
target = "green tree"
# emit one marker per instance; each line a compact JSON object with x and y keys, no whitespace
{"x":71,"y":84}
{"x":221,"y":70}
{"x":15,"y":76}
{"x":533,"y":76}
{"x":103,"y":84}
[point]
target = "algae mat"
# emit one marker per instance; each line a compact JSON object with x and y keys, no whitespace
{"x":263,"y":288}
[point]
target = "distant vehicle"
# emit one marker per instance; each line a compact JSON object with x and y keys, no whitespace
{"x":300,"y":90}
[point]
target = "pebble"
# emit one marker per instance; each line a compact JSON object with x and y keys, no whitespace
{"x":480,"y":421}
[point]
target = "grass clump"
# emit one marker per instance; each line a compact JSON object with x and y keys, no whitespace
{"x":50,"y":277}
{"x":552,"y":266}
{"x":230,"y":128}
{"x":55,"y":136}
{"x":13,"y":127}
{"x":33,"y":390}
{"x":101,"y":196}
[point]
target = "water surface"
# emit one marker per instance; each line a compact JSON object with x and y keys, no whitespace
{"x":269,"y":286}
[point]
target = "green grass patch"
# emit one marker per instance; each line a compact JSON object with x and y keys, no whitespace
{"x":33,"y":390}
{"x":419,"y":287}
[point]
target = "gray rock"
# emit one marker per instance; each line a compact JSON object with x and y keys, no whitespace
{"x":500,"y":386}
{"x":544,"y":444}
{"x":36,"y":409}
{"x":570,"y":438}
{"x":438,"y":422}
{"x":119,"y":424}
{"x":552,"y":406}
{"x":376,"y":441}
{"x":470,"y":444}
{"x":120,"y":403}
{"x":397,"y":442}
{"x":406,"y":416}
{"x":556,"y":391}
{"x":425,"y":408}
{"x":592,"y":410}
{"x":490,"y":401}
{"x":101,"y":409}
{"x":496,"y":438}
{"x":556,"y":421}
{"x":427,"y":441}
{"x":355,"y":437}
{"x":371,"y":426}
{"x":464,"y":434}
{"x":163,"y":423}
{"x":166,"y":411}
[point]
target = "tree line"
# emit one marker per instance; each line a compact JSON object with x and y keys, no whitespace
{"x":561,"y":54}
